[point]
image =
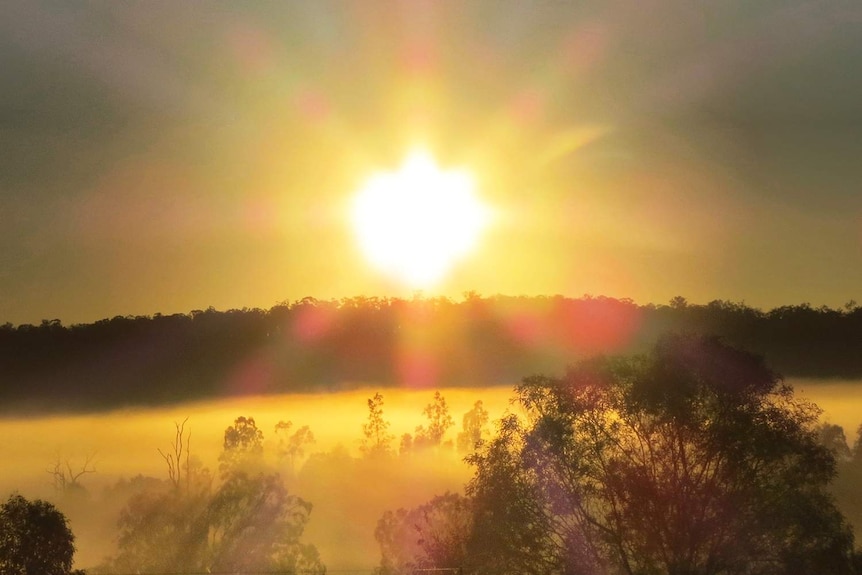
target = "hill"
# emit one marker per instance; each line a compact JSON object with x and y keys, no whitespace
{"x":316,"y":346}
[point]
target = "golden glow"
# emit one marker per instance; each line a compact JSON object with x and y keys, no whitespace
{"x":335,"y":419}
{"x":416,"y":223}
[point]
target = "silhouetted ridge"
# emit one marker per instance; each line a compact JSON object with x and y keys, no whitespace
{"x":314,"y":345}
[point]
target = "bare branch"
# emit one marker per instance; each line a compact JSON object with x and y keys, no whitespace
{"x":64,"y":476}
{"x":180,"y":451}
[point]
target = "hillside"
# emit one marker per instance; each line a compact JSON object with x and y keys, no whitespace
{"x":317,"y":346}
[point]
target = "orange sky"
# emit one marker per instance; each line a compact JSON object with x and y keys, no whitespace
{"x":157,"y":157}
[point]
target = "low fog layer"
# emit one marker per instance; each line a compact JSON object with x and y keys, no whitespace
{"x":106,"y":458}
{"x":108,"y":453}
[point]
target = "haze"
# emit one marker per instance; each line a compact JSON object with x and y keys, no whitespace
{"x":347,"y":501}
{"x":214,"y":211}
{"x":157,"y":158}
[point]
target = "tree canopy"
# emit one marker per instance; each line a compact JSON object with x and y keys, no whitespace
{"x":34,"y":538}
{"x":377,"y":440}
{"x":694,"y":459}
{"x":248,"y":523}
{"x":429,"y":536}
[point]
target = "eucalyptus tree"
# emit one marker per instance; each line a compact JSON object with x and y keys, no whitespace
{"x":693,"y":460}
{"x":34,"y":538}
{"x":247,"y":522}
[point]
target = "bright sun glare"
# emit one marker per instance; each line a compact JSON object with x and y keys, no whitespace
{"x":414,"y":224}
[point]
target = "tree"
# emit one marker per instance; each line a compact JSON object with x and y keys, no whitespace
{"x":857,"y":445}
{"x":254,"y":523}
{"x":439,"y":421}
{"x":292,"y":448}
{"x":34,"y":539}
{"x":178,"y":457}
{"x":511,"y":532}
{"x":249,"y":523}
{"x":164,"y":526}
{"x":847,"y":488}
{"x":432,"y":535}
{"x":163,"y":530}
{"x":243,"y":436}
{"x":473,"y":428}
{"x":376,"y":437}
{"x":255,"y":526}
{"x":832,"y":436}
{"x":695,"y":459}
{"x":243,"y":446}
{"x":65,"y":478}
{"x":678,"y":302}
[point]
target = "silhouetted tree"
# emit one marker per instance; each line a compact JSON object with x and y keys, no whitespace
{"x":376,"y":437}
{"x":433,"y":535}
{"x":678,"y":302}
{"x":291,"y":447}
{"x":857,"y":444}
{"x":243,"y":446}
{"x":164,"y":525}
{"x":832,"y":437}
{"x":248,"y":523}
{"x":473,"y":428}
{"x":439,"y":421}
{"x":34,"y":539}
{"x":847,"y":486}
{"x":512,"y":533}
{"x":163,"y":529}
{"x":696,"y":459}
{"x":177,"y":459}
{"x":255,"y":526}
{"x":66,"y":478}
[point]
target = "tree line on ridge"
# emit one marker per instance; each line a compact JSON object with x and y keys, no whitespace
{"x":313,"y":345}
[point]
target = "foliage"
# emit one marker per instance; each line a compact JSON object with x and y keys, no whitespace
{"x":255,"y":525}
{"x":291,"y":447}
{"x":473,"y":428}
{"x":162,"y":531}
{"x":511,"y":532}
{"x":857,"y":445}
{"x":433,"y":535}
{"x":376,"y":437}
{"x":248,"y":523}
{"x":34,"y":539}
{"x":439,"y":421}
{"x":696,"y":459}
{"x":243,"y":446}
{"x":847,"y":488}
{"x":832,"y":436}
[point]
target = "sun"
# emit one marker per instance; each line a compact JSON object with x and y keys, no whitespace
{"x":416,"y":223}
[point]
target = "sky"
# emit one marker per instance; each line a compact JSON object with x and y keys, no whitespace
{"x":160,"y":157}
